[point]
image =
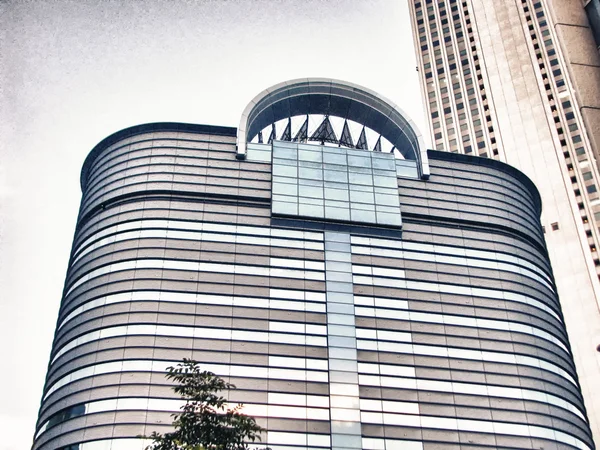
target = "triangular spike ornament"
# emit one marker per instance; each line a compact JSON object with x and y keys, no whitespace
{"x":324,"y":133}
{"x":377,"y":147}
{"x":362,"y":140}
{"x":260,"y":137}
{"x":302,"y":134}
{"x":287,"y":133}
{"x":272,"y":135}
{"x":346,"y":137}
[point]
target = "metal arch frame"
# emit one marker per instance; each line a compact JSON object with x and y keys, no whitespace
{"x":338,"y":98}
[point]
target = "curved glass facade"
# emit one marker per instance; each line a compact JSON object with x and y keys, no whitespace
{"x":439,"y":330}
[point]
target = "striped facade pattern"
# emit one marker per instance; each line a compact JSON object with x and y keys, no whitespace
{"x":445,"y":334}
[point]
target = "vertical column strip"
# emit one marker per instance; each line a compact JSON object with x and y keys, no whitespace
{"x":341,"y":336}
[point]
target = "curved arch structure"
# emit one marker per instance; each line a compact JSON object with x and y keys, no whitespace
{"x":337,"y":98}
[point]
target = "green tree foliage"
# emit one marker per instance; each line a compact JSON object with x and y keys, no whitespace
{"x":205,"y":422}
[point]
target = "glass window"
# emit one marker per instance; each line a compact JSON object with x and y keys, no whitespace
{"x":309,"y":201}
{"x":312,"y":156}
{"x":334,"y":158}
{"x":305,"y":172}
{"x":336,"y":204}
{"x":287,"y":153}
{"x":340,"y":297}
{"x":285,"y":171}
{"x":360,"y":161}
{"x":337,"y":213}
{"x":359,"y":178}
{"x":310,"y":210}
{"x":311,"y":191}
{"x":390,"y":182}
{"x":360,"y":215}
{"x":384,"y":163}
{"x":285,"y":208}
{"x":336,"y":176}
{"x":286,"y":189}
{"x":389,"y":200}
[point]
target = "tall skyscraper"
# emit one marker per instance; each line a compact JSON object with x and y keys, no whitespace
{"x":519,"y":81}
{"x":361,"y":292}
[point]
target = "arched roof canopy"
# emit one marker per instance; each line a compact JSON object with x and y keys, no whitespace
{"x":335,"y":98}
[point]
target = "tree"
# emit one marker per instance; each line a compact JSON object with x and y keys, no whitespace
{"x":205,"y":422}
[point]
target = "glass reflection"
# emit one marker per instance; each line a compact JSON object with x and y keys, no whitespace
{"x":409,"y":382}
{"x":450,"y":352}
{"x":189,"y":230}
{"x":197,"y":267}
{"x":279,"y":332}
{"x":222,"y":370}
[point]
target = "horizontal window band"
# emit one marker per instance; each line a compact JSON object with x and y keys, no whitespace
{"x":171,"y":264}
{"x":458,"y":353}
{"x":277,"y":267}
{"x":160,"y":191}
{"x":398,"y":249}
{"x":465,"y":176}
{"x":160,"y":366}
{"x":97,"y":213}
{"x":460,"y":284}
{"x":280,"y":299}
{"x":495,"y":185}
{"x":531,"y":240}
{"x":453,"y":387}
{"x":301,"y":407}
{"x":383,"y":335}
{"x":362,"y":344}
{"x":142,"y":444}
{"x":410,"y":371}
{"x":473,"y":200}
{"x":455,"y":289}
{"x":413,"y":408}
{"x":188,"y":159}
{"x":168,"y":173}
{"x":132,"y":443}
{"x":471,"y":425}
{"x":277,"y":237}
{"x":388,"y":418}
{"x":142,"y":153}
{"x":215,"y":189}
{"x":494,"y":218}
{"x":131,"y":148}
{"x":115,"y":170}
{"x":382,"y":444}
{"x":474,"y":238}
{"x":280,"y":333}
{"x":387,"y":310}
{"x":436,"y":259}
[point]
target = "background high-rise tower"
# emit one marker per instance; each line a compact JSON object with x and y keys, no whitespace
{"x":519,"y":81}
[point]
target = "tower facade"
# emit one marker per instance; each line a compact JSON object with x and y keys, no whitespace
{"x":358,"y":298}
{"x":519,"y":82}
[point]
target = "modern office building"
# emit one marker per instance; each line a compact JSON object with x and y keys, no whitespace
{"x":361,"y":291}
{"x":519,"y":81}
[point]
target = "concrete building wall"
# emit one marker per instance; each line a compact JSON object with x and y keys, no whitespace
{"x":533,"y":65}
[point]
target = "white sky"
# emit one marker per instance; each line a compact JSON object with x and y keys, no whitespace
{"x":74,"y":72}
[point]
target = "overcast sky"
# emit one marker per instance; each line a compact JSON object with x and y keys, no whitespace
{"x":73,"y":72}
